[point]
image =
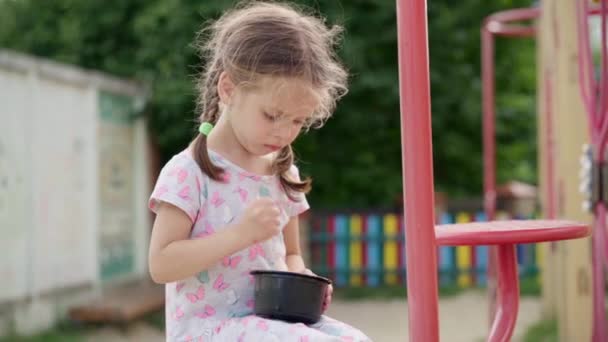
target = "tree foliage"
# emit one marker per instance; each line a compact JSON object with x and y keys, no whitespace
{"x":355,"y":160}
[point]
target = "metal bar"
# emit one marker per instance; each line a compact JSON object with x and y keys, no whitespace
{"x":416,"y":142}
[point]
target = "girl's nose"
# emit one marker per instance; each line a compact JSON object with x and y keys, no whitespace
{"x":284,"y":130}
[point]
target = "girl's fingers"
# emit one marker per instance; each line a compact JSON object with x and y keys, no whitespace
{"x":308,"y":271}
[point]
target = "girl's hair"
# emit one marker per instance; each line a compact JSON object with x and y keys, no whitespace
{"x":259,"y":39}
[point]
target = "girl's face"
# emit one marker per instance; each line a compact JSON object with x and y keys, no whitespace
{"x":270,"y":115}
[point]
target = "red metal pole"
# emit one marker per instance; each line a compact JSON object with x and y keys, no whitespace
{"x":514,"y":15}
{"x":496,"y":24}
{"x":508,"y":295}
{"x":414,"y":91}
{"x":489,"y":156}
{"x":510,"y":30}
{"x":489,"y":148}
{"x":594,"y":99}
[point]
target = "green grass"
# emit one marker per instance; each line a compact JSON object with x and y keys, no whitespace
{"x":156,"y":319}
{"x":67,"y":332}
{"x":529,"y":286}
{"x":61,"y":333}
{"x":544,"y":331}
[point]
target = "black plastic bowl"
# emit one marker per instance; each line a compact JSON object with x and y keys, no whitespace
{"x":289,"y":296}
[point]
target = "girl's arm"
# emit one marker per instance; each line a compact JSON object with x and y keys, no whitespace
{"x":173,"y":256}
{"x":291,"y":236}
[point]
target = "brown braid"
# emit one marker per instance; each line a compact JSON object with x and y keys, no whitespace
{"x":281,"y":166}
{"x":211,"y":112}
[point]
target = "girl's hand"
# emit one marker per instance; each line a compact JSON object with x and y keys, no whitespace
{"x":328,"y":293}
{"x":261,"y":220}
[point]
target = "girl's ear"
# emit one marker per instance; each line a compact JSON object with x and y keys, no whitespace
{"x":225,"y":88}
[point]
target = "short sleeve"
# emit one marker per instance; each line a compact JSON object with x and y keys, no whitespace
{"x":179,"y":184}
{"x":300,"y":205}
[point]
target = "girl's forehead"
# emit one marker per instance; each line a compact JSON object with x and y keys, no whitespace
{"x":290,"y":96}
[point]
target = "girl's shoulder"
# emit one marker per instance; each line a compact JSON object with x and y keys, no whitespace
{"x":180,"y":183}
{"x":182,"y":159}
{"x":183,"y":167}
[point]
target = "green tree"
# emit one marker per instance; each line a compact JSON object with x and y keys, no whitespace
{"x":355,"y":159}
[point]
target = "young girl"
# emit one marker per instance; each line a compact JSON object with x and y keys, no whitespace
{"x":229,"y":203}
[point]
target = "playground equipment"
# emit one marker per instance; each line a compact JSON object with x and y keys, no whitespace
{"x":595,"y":99}
{"x":499,"y":24}
{"x":366,"y":249}
{"x":422,"y":235}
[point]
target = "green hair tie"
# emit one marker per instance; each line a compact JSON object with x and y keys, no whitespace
{"x":205,"y":128}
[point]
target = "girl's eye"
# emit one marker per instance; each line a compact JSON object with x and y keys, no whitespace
{"x":270,"y":117}
{"x":298,"y":122}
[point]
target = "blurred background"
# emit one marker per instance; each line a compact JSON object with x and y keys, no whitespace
{"x":96,"y":96}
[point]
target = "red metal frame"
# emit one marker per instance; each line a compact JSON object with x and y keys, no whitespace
{"x":496,"y":24}
{"x":506,"y":313}
{"x":595,"y":101}
{"x":414,"y":91}
{"x":509,"y":232}
{"x":506,"y":234}
{"x":421,"y":242}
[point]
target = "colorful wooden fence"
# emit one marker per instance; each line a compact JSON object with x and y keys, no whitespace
{"x":368,"y":250}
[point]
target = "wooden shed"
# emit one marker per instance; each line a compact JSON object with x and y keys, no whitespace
{"x":74,"y":181}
